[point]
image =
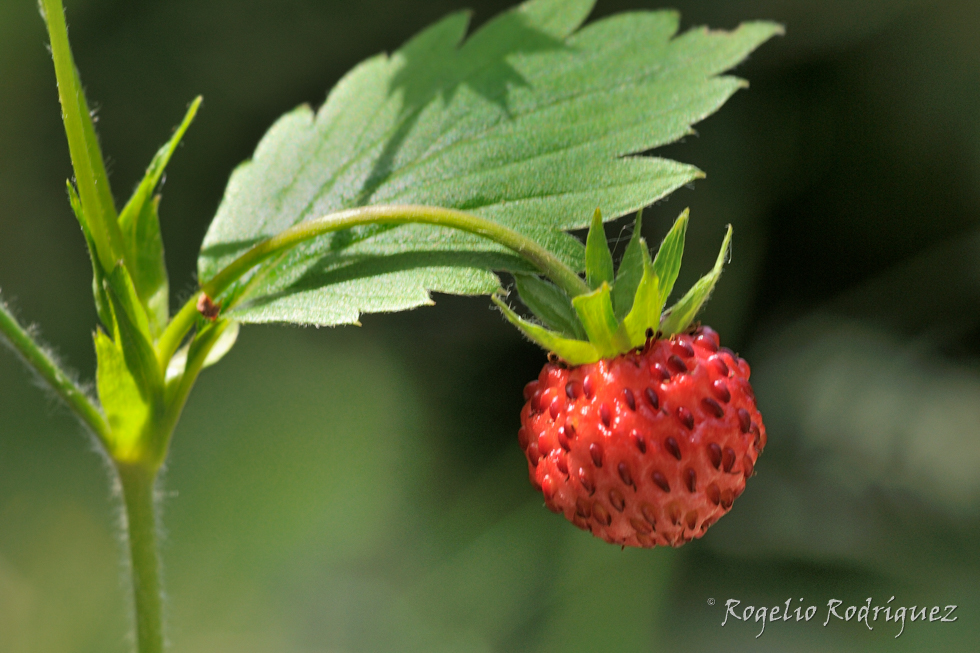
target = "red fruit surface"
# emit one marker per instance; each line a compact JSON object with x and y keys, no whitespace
{"x":648,"y":448}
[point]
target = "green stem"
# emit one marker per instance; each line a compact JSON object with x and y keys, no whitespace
{"x":141,"y":528}
{"x":178,"y":391}
{"x":541,"y":258}
{"x":86,"y":156}
{"x":549,"y":265}
{"x":42,"y":363}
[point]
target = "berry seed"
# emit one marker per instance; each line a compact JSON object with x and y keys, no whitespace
{"x":616,"y":500}
{"x":624,"y":474}
{"x":601,"y":514}
{"x":720,"y":390}
{"x":638,"y":440}
{"x":589,"y":387}
{"x":670,"y":444}
{"x":661,"y":481}
{"x":604,"y":414}
{"x":744,"y":420}
{"x":685,"y":416}
{"x":713,"y":407}
{"x":675,"y":363}
{"x":595,"y":450}
{"x":640,"y":526}
{"x":630,"y":399}
{"x":728,"y":459}
{"x":714,"y":454}
{"x":718,"y":364}
{"x":555,"y":408}
{"x":563,"y":439}
{"x":649,"y":514}
{"x":691,"y":480}
{"x":713,"y":493}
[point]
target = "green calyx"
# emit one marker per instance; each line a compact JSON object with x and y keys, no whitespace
{"x":623,"y":307}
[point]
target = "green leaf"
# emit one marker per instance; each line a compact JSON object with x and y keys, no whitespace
{"x":550,"y":304}
{"x":102,"y":307}
{"x":119,"y":393}
{"x":595,"y":311}
{"x":598,"y":259}
{"x":83,"y":145}
{"x":574,"y":352}
{"x":140,"y":225}
{"x":668,"y":260}
{"x":647,"y":304}
{"x":528,"y":122}
{"x":681,"y":314}
{"x":630,"y":270}
{"x":133,"y":335}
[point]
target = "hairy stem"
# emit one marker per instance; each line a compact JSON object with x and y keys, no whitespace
{"x":41,"y":362}
{"x":549,"y":265}
{"x":86,"y":156}
{"x":141,"y":529}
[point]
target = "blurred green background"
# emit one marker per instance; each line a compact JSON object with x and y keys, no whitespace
{"x":361,"y":489}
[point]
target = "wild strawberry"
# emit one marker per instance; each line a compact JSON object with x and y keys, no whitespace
{"x":645,"y":431}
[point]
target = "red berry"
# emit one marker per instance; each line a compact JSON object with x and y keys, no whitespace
{"x":656,"y":471}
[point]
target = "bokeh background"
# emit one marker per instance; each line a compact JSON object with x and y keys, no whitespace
{"x":361,"y":489}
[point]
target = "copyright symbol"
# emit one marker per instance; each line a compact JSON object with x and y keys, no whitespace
{"x":711,"y":601}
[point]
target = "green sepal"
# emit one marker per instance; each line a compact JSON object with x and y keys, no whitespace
{"x":667,"y":263}
{"x":119,"y":393}
{"x":98,"y":274}
{"x":598,"y":258}
{"x":647,"y":305}
{"x":595,"y":310}
{"x":550,"y":304}
{"x":133,"y":335}
{"x":681,"y":315}
{"x":630,"y":271}
{"x":140,"y":225}
{"x":573,"y":352}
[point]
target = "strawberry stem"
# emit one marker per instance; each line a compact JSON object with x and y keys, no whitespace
{"x":564,"y":277}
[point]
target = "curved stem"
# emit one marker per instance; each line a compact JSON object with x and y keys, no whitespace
{"x":42,"y":363}
{"x":137,"y":483}
{"x":541,"y":258}
{"x":565,"y":277}
{"x":174,"y":334}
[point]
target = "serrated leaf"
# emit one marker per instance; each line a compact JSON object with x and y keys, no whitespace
{"x":630,"y":271}
{"x":647,"y":304}
{"x":121,"y":399}
{"x":598,"y":258}
{"x":595,"y":311}
{"x":528,"y":122}
{"x":139,"y":222}
{"x":681,"y":314}
{"x":550,"y":304}
{"x":667,"y":263}
{"x":574,"y":352}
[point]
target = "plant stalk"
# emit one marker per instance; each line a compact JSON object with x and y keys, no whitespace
{"x":137,"y":483}
{"x":41,"y":362}
{"x":549,"y":265}
{"x":86,"y":156}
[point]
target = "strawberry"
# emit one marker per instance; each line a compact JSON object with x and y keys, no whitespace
{"x":645,"y":430}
